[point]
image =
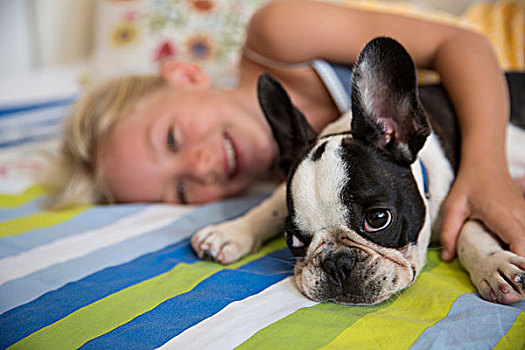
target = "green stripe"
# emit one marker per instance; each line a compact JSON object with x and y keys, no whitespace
{"x":11,"y":201}
{"x":39,"y":220}
{"x":117,"y":309}
{"x":515,"y":337}
{"x":316,"y":326}
{"x":399,"y":325}
{"x":308,"y":328}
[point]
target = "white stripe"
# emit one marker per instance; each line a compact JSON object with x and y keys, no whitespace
{"x":16,"y":184}
{"x":31,"y":132}
{"x":242,"y":319}
{"x":16,"y":180}
{"x":56,"y":252}
{"x":26,"y":150}
{"x":28,"y":118}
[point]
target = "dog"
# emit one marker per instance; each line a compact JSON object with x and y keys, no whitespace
{"x":363,"y":198}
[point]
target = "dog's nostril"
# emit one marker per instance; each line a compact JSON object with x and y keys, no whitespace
{"x":345,"y":264}
{"x":330,"y":269}
{"x":338,"y":267}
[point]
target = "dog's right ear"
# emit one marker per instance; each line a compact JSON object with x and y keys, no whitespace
{"x":290,"y":128}
{"x":386,"y":111}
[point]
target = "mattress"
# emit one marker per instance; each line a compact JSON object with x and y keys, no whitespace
{"x":125,"y":277}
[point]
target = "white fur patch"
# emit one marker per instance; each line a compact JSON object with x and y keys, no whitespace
{"x":516,"y":151}
{"x":366,"y":86}
{"x":440,"y":176}
{"x":316,"y":188}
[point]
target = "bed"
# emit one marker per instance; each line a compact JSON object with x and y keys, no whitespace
{"x":125,"y":277}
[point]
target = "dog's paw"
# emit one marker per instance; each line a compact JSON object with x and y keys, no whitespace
{"x":501,"y":278}
{"x":224,"y":243}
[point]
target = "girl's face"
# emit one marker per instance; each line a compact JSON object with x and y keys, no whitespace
{"x":184,"y":146}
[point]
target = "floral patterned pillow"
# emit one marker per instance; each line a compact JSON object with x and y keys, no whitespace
{"x":133,"y":36}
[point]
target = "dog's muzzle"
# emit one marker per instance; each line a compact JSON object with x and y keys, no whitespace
{"x":347,"y":272}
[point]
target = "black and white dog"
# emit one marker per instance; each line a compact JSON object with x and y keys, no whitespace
{"x":363,"y":197}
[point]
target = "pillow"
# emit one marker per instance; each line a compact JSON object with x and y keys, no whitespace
{"x":134,"y":36}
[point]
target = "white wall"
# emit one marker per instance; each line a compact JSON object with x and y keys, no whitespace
{"x":40,"y":33}
{"x":14,"y":37}
{"x":64,"y":29}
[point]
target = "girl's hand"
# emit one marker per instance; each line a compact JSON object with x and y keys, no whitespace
{"x":490,"y":197}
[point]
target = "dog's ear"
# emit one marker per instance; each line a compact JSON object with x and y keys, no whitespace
{"x":289,"y":126}
{"x":386,"y":111}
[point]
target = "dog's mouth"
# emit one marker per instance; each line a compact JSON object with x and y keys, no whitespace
{"x":372,"y":278}
{"x":232,"y":156}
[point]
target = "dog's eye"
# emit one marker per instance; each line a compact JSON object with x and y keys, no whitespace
{"x":293,"y":241}
{"x":377,"y":219}
{"x":296,"y":243}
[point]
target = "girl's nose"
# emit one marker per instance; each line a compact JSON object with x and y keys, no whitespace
{"x":203,"y":163}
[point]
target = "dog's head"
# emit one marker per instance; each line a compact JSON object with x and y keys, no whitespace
{"x":356,"y":213}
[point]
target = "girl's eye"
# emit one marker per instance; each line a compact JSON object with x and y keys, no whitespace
{"x":181,"y":193}
{"x":172,"y":142}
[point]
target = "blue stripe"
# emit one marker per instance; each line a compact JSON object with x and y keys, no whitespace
{"x":25,"y":209}
{"x":90,"y":219}
{"x":20,"y":322}
{"x":50,"y":117}
{"x":5,"y":111}
{"x":39,"y":125}
{"x":31,"y":125}
{"x":488,"y":323}
{"x":175,"y":315}
{"x":39,"y":138}
{"x":23,"y":290}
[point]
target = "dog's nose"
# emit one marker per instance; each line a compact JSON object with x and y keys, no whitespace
{"x":338,"y":267}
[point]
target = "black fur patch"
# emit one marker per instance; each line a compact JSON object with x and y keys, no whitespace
{"x":443,"y":120}
{"x":516,"y":83}
{"x":377,"y":181}
{"x":290,"y":230}
{"x":317,"y":154}
{"x":441,"y":113}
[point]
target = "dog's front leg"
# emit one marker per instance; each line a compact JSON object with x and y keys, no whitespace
{"x":498,"y":274}
{"x":228,"y":241}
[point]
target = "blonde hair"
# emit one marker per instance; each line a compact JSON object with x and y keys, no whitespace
{"x":72,"y":178}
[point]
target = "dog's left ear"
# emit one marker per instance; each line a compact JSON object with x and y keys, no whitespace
{"x":386,"y":111}
{"x":290,"y":128}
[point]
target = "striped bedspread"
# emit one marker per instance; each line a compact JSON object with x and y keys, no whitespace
{"x":125,"y":277}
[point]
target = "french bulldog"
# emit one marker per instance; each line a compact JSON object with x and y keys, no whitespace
{"x":363,"y":198}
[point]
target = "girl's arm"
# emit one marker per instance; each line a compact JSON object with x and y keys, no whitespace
{"x":298,"y":31}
